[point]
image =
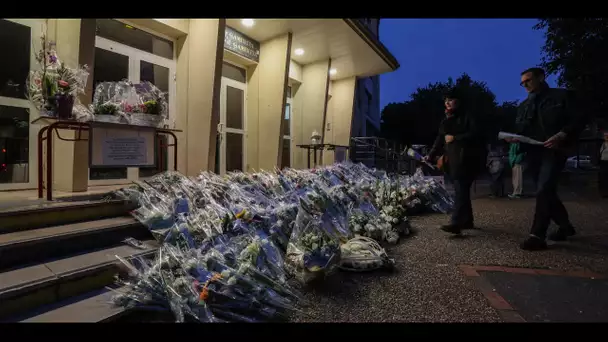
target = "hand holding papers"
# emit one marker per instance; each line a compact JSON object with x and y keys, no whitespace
{"x":520,"y":138}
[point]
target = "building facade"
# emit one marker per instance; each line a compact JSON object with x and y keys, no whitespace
{"x":243,"y":92}
{"x":366,"y":115}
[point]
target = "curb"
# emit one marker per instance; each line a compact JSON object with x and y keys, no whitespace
{"x":500,"y":304}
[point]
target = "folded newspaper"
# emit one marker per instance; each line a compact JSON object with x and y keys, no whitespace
{"x":520,"y":138}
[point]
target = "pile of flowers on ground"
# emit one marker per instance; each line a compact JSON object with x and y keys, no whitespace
{"x":235,"y":248}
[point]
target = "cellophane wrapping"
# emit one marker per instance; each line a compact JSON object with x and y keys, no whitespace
{"x":236,"y":247}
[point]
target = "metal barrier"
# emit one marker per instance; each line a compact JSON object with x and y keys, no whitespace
{"x":53,"y":126}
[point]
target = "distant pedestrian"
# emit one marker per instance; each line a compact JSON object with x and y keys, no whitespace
{"x":603,"y":176}
{"x":496,"y":168}
{"x":547,"y":115}
{"x":462,"y":152}
{"x":516,"y":159}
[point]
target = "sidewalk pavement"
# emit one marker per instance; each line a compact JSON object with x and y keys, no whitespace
{"x":431,"y":285}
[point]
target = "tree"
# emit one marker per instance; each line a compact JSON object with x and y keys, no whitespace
{"x":577,"y":51}
{"x":416,"y":121}
{"x":505,"y":115}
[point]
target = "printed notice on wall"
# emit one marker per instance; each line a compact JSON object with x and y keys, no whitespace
{"x":121,"y":147}
{"x":124,"y":151}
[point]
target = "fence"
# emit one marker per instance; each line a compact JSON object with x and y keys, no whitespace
{"x":382,"y":154}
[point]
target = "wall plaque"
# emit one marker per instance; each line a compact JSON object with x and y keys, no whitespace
{"x":121,"y":147}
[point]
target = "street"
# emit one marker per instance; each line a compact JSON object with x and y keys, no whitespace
{"x":430,"y":285}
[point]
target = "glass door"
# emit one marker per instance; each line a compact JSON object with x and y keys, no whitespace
{"x":20,"y":40}
{"x":232,"y":126}
{"x":116,"y":61}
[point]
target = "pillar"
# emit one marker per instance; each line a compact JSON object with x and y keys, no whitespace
{"x":309,"y":106}
{"x":70,"y":159}
{"x":205,"y":46}
{"x":266,"y":98}
{"x":339,"y":115}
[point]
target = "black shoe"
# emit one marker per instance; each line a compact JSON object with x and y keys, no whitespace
{"x":562,"y":234}
{"x":467,"y":226}
{"x":452,"y":228}
{"x":534,"y":243}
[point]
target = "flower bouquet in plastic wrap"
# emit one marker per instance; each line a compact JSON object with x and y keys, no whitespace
{"x":364,"y":254}
{"x":54,"y":89}
{"x":140,"y":104}
{"x":314,"y":246}
{"x":431,"y":193}
{"x":205,"y":287}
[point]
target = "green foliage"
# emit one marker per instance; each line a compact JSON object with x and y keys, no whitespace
{"x":577,"y":51}
{"x":416,"y":121}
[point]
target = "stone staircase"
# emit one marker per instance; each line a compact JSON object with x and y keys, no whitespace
{"x":57,"y":258}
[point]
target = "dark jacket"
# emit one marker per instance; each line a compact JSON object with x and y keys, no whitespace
{"x":547,"y":113}
{"x":466,"y":155}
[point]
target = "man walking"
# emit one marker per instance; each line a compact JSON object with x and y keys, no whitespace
{"x":547,"y":115}
{"x":516,"y":158}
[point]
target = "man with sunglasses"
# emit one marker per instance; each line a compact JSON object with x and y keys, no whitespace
{"x":547,"y":115}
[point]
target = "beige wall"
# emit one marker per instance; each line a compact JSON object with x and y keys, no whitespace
{"x":339,"y":115}
{"x":308,"y":110}
{"x":266,"y":91}
{"x":199,"y":51}
{"x":70,"y":159}
{"x":205,"y":46}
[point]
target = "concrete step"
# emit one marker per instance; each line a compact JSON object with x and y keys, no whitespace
{"x":42,"y":284}
{"x":31,"y":246}
{"x":93,"y":307}
{"x":32,"y":214}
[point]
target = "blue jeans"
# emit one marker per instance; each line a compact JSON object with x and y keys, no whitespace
{"x":546,"y":166}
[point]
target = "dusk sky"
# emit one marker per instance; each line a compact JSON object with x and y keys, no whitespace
{"x":429,"y":50}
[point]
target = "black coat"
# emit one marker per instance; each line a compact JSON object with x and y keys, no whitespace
{"x":466,"y":155}
{"x":549,"y":112}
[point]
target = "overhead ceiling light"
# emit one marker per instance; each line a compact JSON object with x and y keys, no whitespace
{"x":332,"y":71}
{"x":299,"y":52}
{"x":247,"y":22}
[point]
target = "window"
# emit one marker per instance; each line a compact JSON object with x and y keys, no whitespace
{"x":130,"y":36}
{"x":286,"y":142}
{"x":15,"y":62}
{"x":125,"y":52}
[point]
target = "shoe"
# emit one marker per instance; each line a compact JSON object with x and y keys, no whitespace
{"x":534,"y":243}
{"x":467,"y":226}
{"x":452,"y":228}
{"x":512,"y":196}
{"x":562,"y":234}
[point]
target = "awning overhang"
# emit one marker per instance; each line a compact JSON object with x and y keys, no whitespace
{"x":352,"y":48}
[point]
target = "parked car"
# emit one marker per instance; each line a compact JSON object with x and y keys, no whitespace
{"x":579,"y":162}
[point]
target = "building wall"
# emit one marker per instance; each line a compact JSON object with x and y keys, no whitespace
{"x":332,"y":108}
{"x":366,"y":116}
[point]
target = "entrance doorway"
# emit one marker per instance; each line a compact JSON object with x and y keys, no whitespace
{"x":232,"y":126}
{"x":124,"y":52}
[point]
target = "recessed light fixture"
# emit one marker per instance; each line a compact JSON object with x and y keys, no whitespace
{"x":332,"y":71}
{"x":299,"y":52}
{"x":247,"y":22}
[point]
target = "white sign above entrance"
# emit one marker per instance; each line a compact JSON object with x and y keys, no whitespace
{"x":242,"y":45}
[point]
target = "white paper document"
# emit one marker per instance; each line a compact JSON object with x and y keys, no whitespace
{"x":520,"y":138}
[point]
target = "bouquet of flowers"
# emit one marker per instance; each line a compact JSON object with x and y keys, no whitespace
{"x":54,"y":88}
{"x":230,"y":244}
{"x":139,"y":104}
